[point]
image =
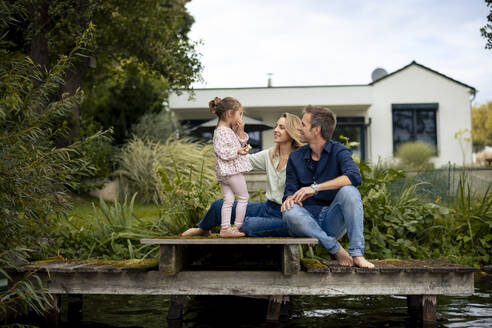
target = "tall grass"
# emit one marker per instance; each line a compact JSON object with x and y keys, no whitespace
{"x":26,"y":293}
{"x":140,"y":164}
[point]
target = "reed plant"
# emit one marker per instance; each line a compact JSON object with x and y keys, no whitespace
{"x":24,"y":294}
{"x":141,"y":161}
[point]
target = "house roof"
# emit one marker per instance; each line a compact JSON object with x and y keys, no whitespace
{"x":426,"y":68}
{"x":346,"y":85}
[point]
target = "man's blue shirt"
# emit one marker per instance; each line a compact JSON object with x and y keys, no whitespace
{"x":302,"y":171}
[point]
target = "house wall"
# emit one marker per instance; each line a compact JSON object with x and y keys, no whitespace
{"x":412,"y":85}
{"x":418,"y":85}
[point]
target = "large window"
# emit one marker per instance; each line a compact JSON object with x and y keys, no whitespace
{"x":354,"y":129}
{"x":414,"y":122}
{"x":255,"y":137}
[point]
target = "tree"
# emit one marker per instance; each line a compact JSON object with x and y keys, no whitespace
{"x":149,"y":33}
{"x":486,"y":31}
{"x":482,"y":126}
{"x":34,"y":174}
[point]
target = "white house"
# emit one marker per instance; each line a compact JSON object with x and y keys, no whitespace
{"x":412,"y":103}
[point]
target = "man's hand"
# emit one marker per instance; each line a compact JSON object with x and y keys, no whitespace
{"x":302,"y":194}
{"x":288,"y":204}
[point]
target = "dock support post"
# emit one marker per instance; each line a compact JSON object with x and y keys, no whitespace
{"x":429,"y":313}
{"x":176,"y":307}
{"x":423,"y":306}
{"x":170,"y":259}
{"x":274,"y":305}
{"x":74,"y":311}
{"x":52,"y":317}
{"x":414,"y":304}
{"x":291,"y":260}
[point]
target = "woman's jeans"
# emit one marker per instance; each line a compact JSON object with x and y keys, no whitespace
{"x":263,"y":219}
{"x":344,"y":215}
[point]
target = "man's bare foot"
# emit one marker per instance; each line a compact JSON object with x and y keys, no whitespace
{"x":361,"y":262}
{"x":195,"y":232}
{"x":343,"y":258}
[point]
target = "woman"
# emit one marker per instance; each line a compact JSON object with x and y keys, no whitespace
{"x":263,"y":219}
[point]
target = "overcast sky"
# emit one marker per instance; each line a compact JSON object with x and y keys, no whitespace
{"x":331,"y":42}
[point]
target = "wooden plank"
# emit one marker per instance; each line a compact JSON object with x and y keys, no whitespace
{"x":290,"y":261}
{"x":258,"y":283}
{"x":229,"y":241}
{"x":170,"y":259}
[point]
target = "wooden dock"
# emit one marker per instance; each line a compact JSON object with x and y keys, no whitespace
{"x":184,"y":268}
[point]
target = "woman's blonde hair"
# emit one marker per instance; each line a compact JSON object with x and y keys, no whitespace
{"x":291,"y":124}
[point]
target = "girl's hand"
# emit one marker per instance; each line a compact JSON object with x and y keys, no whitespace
{"x":242,"y":151}
{"x":239,"y":127}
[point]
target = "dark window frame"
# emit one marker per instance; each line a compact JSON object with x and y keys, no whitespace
{"x":414,"y":108}
{"x":358,"y":122}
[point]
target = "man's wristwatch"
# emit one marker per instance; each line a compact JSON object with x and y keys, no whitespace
{"x":315,"y":187}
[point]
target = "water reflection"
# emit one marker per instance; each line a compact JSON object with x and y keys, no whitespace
{"x":305,"y":311}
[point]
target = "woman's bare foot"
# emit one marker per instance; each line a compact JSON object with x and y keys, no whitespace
{"x":195,"y":232}
{"x":361,"y":262}
{"x":343,"y":258}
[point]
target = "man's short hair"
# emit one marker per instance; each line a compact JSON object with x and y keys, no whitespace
{"x":324,"y":118}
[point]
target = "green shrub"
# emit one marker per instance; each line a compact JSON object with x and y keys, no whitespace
{"x":34,"y":174}
{"x":415,"y":156}
{"x":28,"y":293}
{"x":140,"y":162}
{"x":186,"y":197}
{"x":157,"y":127}
{"x":98,"y":152}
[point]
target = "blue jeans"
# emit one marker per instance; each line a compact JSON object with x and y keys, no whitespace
{"x":263,"y":219}
{"x":344,"y":215}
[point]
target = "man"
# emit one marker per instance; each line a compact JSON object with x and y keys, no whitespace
{"x":321,"y":199}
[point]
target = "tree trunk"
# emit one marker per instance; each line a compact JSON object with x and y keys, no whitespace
{"x":73,"y":81}
{"x":39,"y":44}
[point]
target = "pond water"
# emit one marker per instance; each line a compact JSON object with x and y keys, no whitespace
{"x":305,"y":311}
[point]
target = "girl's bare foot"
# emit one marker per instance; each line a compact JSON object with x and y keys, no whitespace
{"x":195,"y":232}
{"x":361,"y":262}
{"x":343,"y":258}
{"x":231,"y":233}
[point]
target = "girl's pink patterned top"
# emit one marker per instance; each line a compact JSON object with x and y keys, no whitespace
{"x":226,"y":145}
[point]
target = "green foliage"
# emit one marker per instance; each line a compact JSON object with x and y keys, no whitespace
{"x":482,"y":126}
{"x":114,"y":232}
{"x":140,"y":162}
{"x":137,"y":45}
{"x":415,"y":155}
{"x":34,"y":174}
{"x":187,"y":197}
{"x":486,"y":31}
{"x":99,"y":152}
{"x":26,"y":293}
{"x":402,"y":221}
{"x":157,"y":127}
{"x":472,"y":215}
{"x":125,"y":102}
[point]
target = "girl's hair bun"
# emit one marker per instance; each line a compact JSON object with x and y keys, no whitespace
{"x":212,"y":104}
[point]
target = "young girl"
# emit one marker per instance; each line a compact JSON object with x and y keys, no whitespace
{"x":230,"y":150}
